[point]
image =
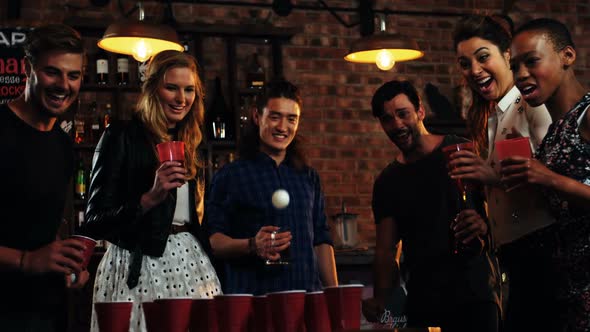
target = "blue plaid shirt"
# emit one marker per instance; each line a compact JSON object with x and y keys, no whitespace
{"x":239,"y":204}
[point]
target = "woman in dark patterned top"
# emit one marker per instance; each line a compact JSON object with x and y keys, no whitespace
{"x":543,"y":55}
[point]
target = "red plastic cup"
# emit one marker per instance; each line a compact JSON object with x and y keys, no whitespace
{"x":234,"y":312}
{"x":287,"y":310}
{"x":89,"y":244}
{"x":316,"y":312}
{"x":520,"y":146}
{"x":261,"y":317}
{"x":175,"y":313}
{"x":448,"y":151}
{"x":344,"y":306}
{"x":151,"y":313}
{"x":171,"y":151}
{"x":203,"y":316}
{"x":113,"y":316}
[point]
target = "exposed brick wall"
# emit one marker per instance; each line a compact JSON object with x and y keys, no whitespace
{"x":346,"y":144}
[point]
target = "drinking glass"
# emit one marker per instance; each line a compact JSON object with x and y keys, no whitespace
{"x":285,"y":254}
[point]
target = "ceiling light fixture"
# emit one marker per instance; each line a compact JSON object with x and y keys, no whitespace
{"x":383,"y":49}
{"x":140,"y":39}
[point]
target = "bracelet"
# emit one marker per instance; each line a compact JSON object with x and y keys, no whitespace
{"x":21,"y":263}
{"x":252,"y":245}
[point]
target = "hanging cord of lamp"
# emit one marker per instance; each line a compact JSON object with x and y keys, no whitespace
{"x":139,"y":39}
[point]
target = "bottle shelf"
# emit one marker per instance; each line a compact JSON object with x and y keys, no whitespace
{"x":249,"y":91}
{"x":93,"y":87}
{"x":227,"y":144}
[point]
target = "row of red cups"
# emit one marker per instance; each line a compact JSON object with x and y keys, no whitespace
{"x":334,"y":309}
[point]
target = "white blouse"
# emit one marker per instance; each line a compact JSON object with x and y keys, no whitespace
{"x":181,"y":212}
{"x":518,"y":212}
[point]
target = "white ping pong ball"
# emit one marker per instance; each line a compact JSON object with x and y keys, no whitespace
{"x":280,"y":199}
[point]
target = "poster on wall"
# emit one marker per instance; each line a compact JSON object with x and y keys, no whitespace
{"x":12,"y":63}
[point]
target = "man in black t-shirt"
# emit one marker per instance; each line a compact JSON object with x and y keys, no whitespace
{"x":35,"y":171}
{"x":414,"y":200}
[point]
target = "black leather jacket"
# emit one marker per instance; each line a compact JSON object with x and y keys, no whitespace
{"x":123,"y":169}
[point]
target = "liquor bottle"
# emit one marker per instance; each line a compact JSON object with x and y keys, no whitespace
{"x":215,"y":162}
{"x":255,"y":73}
{"x":142,"y":71}
{"x":79,"y":130}
{"x":122,"y":70}
{"x":465,"y":201}
{"x":246,"y":110}
{"x":220,"y":120}
{"x":80,"y":188}
{"x":80,"y":218}
{"x":85,"y":73}
{"x":106,"y":119}
{"x":94,"y":124}
{"x":102,"y":67}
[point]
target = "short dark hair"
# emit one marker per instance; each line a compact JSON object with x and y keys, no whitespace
{"x":52,"y":37}
{"x":494,"y":29}
{"x":250,"y":143}
{"x":391,"y":89}
{"x":556,"y":31}
{"x":279,"y":88}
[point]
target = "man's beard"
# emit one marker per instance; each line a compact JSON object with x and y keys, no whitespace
{"x":412,"y":136}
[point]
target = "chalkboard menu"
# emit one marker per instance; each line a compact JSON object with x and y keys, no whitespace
{"x":12,"y":63}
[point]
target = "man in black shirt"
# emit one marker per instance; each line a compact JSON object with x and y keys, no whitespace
{"x":35,"y":172}
{"x":414,"y":200}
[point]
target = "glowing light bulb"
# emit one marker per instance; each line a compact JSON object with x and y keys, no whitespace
{"x":142,"y":51}
{"x":384,"y":60}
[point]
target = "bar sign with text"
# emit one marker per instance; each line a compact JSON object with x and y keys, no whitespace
{"x":12,"y":63}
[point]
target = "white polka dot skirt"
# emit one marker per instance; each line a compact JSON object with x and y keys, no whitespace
{"x":184,"y":270}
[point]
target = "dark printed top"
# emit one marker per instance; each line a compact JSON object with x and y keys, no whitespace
{"x":565,"y":152}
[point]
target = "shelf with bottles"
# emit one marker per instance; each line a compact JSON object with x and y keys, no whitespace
{"x":80,"y":195}
{"x":89,"y":87}
{"x":85,"y":122}
{"x":220,"y":158}
{"x":216,"y":156}
{"x":81,"y":175}
{"x":219,"y":119}
{"x":226,"y":144}
{"x":230,"y":109}
{"x":106,"y":70}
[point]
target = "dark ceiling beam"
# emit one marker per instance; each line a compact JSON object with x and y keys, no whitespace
{"x":385,"y":11}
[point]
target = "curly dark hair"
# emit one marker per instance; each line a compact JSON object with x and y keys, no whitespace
{"x":497,"y":30}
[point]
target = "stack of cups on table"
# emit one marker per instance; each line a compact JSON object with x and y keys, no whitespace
{"x":334,"y":309}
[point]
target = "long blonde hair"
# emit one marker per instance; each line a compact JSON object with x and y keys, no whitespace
{"x":151,"y":113}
